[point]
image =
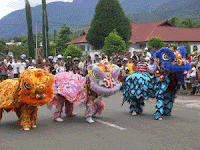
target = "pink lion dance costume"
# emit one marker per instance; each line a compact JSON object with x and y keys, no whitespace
{"x":68,"y":90}
{"x":101,"y":81}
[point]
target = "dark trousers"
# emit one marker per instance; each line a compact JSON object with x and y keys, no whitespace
{"x":16,"y":75}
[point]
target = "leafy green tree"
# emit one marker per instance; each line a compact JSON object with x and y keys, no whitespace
{"x":30,"y":30}
{"x":55,"y":34}
{"x":156,"y":20}
{"x":174,"y":20}
{"x":109,"y":15}
{"x":45,"y":29}
{"x":2,"y":46}
{"x":155,"y":42}
{"x":63,"y":38}
{"x":113,"y":43}
{"x":73,"y":51}
{"x":18,"y":50}
{"x":187,"y":23}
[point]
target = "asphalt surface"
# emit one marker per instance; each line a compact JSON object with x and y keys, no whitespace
{"x":115,"y":129}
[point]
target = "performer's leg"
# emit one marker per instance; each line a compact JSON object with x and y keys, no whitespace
{"x":1,"y":112}
{"x":33,"y":116}
{"x":135,"y":106}
{"x":99,"y":107}
{"x":141,"y":105}
{"x":89,"y":111}
{"x":159,"y":108}
{"x":168,"y":104}
{"x":18,"y":112}
{"x":25,"y":118}
{"x":69,"y":108}
{"x":59,"y":103}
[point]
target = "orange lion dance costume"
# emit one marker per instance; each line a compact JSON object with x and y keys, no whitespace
{"x":24,"y":95}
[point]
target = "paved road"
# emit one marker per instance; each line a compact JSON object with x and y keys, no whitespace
{"x":115,"y":129}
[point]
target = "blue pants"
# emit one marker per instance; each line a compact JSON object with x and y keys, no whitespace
{"x":164,"y":106}
{"x":137,"y":105}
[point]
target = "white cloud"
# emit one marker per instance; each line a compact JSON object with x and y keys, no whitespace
{"x":7,"y":6}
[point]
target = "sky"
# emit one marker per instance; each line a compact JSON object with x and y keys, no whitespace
{"x":8,"y":6}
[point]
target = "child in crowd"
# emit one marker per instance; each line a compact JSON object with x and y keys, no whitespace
{"x":3,"y":71}
{"x":31,"y":66}
{"x":61,"y":68}
{"x":76,"y":70}
{"x":193,"y":78}
{"x":46,"y":66}
{"x":10,"y":72}
{"x":71,"y":69}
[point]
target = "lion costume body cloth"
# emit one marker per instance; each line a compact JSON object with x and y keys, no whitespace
{"x":24,"y":95}
{"x":68,"y":90}
{"x":101,"y":81}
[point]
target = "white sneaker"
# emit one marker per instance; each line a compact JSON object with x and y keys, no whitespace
{"x":26,"y":129}
{"x":160,"y":118}
{"x":34,"y":126}
{"x":134,"y":113}
{"x":89,"y":120}
{"x":59,"y":120}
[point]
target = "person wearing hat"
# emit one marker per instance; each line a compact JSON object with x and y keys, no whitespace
{"x":69,"y":63}
{"x":148,"y":53}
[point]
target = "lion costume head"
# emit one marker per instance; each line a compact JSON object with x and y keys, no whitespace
{"x":104,"y":78}
{"x":36,"y":87}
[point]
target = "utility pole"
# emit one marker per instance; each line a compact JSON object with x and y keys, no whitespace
{"x":45,"y":31}
{"x":36,"y":40}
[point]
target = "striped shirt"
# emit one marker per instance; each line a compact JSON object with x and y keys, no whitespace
{"x":142,"y":66}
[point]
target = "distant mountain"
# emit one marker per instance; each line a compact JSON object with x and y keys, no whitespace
{"x":167,"y":10}
{"x":79,"y":13}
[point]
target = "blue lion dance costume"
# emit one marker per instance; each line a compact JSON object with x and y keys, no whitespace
{"x":163,"y":84}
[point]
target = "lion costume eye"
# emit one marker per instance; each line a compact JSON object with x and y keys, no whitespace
{"x":165,"y":56}
{"x":95,"y":75}
{"x":26,"y":86}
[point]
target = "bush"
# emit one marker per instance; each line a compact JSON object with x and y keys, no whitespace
{"x":73,"y":51}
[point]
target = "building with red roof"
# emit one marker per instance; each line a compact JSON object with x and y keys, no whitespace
{"x":142,"y":32}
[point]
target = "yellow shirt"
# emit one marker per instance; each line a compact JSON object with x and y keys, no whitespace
{"x":130,"y":66}
{"x":193,"y":52}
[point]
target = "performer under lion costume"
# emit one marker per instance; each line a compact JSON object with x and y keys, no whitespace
{"x":24,"y":95}
{"x":68,"y":90}
{"x":101,"y":81}
{"x":163,"y":85}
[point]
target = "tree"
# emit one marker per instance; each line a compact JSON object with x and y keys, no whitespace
{"x":55,"y":34}
{"x":108,"y":15}
{"x":31,"y":50}
{"x":155,"y":42}
{"x":2,"y":46}
{"x":174,"y":20}
{"x":186,"y":24}
{"x":156,"y":20}
{"x":73,"y":51}
{"x":45,"y":29}
{"x":113,"y":43}
{"x":63,"y":38}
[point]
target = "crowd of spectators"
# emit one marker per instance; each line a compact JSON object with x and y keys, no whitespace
{"x":128,"y":63}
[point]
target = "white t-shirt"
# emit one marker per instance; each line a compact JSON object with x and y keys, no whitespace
{"x":194,"y":71}
{"x":22,"y":66}
{"x":15,"y":66}
{"x":81,"y":65}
